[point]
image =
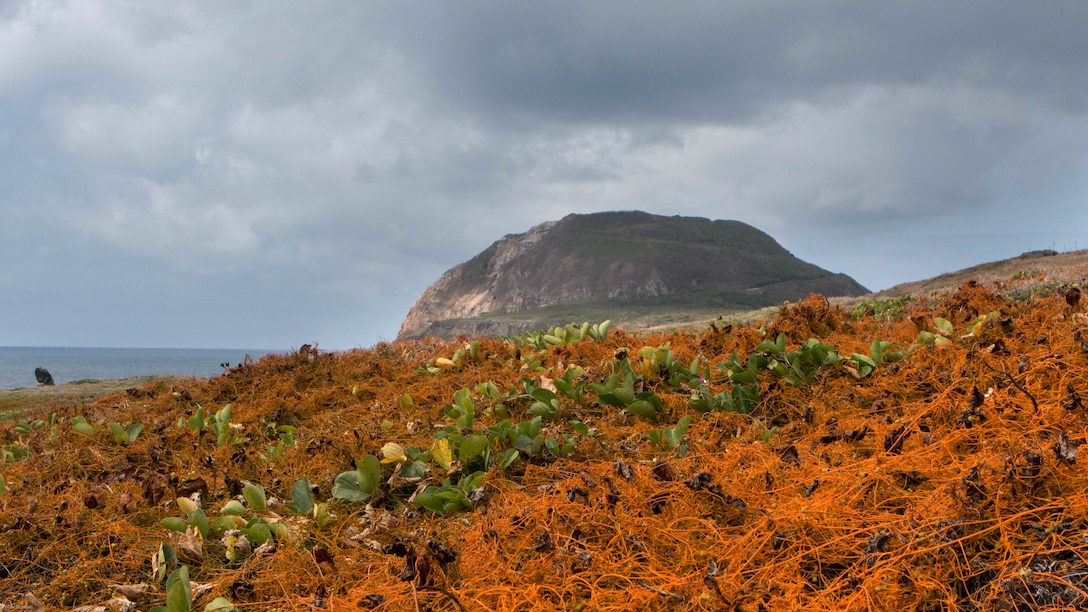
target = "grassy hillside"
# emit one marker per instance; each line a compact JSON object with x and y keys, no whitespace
{"x":737,"y":467}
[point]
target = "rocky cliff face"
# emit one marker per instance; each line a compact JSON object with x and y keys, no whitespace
{"x":610,"y":258}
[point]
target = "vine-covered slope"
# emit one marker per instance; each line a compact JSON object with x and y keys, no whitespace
{"x":916,"y":460}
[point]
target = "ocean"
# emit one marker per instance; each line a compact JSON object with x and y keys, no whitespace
{"x":69,"y":364}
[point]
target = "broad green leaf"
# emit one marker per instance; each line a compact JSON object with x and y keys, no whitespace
{"x":279,"y":530}
{"x":944,"y":325}
{"x":405,"y":402}
{"x":863,"y":360}
{"x":196,"y":421}
{"x":523,"y":443}
{"x":877,"y":351}
{"x":200,"y":521}
{"x":346,"y":486}
{"x":257,"y":532}
{"x":120,"y":436}
{"x":370,"y":473}
{"x":3,"y":485}
{"x":174,"y":523}
{"x":234,"y":508}
{"x":507,"y":458}
{"x":254,"y":494}
{"x":80,"y":424}
{"x":301,"y":496}
{"x":431,"y":500}
{"x":179,"y":595}
{"x":134,"y":431}
{"x":223,"y":416}
{"x":579,"y":427}
{"x":220,"y":604}
{"x":676,"y":434}
{"x":222,"y":525}
{"x":471,"y":447}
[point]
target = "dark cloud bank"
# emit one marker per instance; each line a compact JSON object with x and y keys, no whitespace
{"x":274,"y":173}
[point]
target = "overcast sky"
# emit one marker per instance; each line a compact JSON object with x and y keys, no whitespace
{"x":266,"y":174}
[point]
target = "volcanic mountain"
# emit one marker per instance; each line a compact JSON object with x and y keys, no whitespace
{"x":623,"y":266}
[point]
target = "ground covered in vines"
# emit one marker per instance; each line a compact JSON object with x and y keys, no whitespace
{"x":936,"y":469}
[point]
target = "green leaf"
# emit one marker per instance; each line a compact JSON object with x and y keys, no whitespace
{"x":173,"y":523}
{"x":80,"y":424}
{"x":431,"y":499}
{"x":223,"y":416}
{"x":3,"y":485}
{"x":405,"y":402}
{"x":523,"y":443}
{"x":119,"y":434}
{"x":221,"y":525}
{"x":357,"y":485}
{"x":254,"y":494}
{"x":163,"y":559}
{"x":507,"y":458}
{"x":220,"y":604}
{"x":552,"y":446}
{"x":301,"y":496}
{"x":370,"y":473}
{"x":257,"y":532}
{"x":200,"y":521}
{"x":196,"y":421}
{"x":134,"y":431}
{"x":674,"y":435}
{"x":234,"y":508}
{"x":642,"y":408}
{"x":179,"y":595}
{"x":579,"y":427}
{"x":471,"y":447}
{"x":943,"y":325}
{"x":876,"y":351}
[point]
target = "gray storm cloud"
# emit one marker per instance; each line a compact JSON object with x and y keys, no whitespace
{"x":273,"y":173}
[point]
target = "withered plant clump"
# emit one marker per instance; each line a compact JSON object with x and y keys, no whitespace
{"x":812,"y":461}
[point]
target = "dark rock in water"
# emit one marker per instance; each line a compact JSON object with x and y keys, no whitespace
{"x":45,"y":379}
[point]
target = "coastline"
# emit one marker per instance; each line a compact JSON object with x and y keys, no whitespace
{"x":14,"y":403}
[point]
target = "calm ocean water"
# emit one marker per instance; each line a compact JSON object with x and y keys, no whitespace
{"x":17,"y":363}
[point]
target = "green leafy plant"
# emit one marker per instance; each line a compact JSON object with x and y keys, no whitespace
{"x":599,"y":331}
{"x":449,"y":498}
{"x":572,"y":384}
{"x":670,"y":438}
{"x":125,"y":435}
{"x":218,"y":424}
{"x":942,"y":336}
{"x":80,"y":424}
{"x":286,"y":440}
{"x":360,"y":483}
{"x":30,"y":426}
{"x":546,"y":403}
{"x":16,"y":451}
{"x":618,"y":390}
{"x":463,"y":409}
{"x":889,"y":308}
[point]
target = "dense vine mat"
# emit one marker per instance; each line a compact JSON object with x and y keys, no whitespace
{"x":947,"y":479}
